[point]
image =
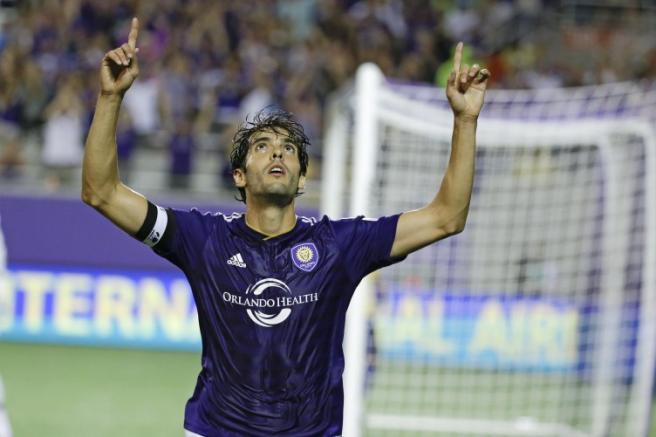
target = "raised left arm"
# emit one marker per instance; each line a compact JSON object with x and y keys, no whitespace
{"x":447,"y":213}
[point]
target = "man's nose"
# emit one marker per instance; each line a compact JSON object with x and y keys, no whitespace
{"x":277,"y":153}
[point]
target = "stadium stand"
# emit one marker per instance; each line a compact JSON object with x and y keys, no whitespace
{"x":205,"y":65}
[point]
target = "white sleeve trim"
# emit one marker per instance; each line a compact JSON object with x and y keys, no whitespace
{"x":157,"y":232}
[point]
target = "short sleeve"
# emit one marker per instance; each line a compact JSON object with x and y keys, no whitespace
{"x":365,"y":243}
{"x":186,"y":234}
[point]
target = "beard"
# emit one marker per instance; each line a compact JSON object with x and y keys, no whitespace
{"x":278,"y":197}
{"x":280,"y":200}
{"x":279,"y":193}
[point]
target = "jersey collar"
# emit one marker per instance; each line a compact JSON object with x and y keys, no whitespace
{"x":258,"y":236}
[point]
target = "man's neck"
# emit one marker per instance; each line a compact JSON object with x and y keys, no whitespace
{"x":270,"y":220}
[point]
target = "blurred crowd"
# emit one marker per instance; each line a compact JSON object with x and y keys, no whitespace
{"x":207,"y":64}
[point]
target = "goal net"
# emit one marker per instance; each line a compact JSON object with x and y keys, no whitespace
{"x":538,"y":319}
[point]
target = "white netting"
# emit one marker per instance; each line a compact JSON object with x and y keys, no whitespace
{"x":530,"y":322}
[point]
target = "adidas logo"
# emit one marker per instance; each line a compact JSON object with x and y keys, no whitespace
{"x":237,"y":261}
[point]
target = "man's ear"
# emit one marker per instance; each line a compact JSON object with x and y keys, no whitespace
{"x":301,"y":184}
{"x":239,"y":176}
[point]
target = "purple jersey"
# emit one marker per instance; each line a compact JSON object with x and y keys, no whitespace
{"x":271,"y":314}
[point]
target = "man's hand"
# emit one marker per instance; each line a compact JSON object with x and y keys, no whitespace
{"x":119,"y":67}
{"x":466,"y":86}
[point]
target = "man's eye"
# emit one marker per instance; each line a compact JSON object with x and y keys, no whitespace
{"x":290,"y":149}
{"x":260,"y":146}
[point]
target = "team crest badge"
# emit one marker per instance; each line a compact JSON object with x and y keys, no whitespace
{"x":305,"y":256}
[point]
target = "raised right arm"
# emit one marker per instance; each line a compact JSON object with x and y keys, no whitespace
{"x":101,"y":185}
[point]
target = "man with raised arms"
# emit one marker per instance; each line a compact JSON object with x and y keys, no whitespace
{"x":272,"y":288}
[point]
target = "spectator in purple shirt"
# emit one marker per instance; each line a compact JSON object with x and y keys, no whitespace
{"x":181,"y":147}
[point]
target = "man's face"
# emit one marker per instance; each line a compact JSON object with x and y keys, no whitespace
{"x":272,"y":168}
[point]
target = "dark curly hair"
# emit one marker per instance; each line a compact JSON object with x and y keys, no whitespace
{"x":276,"y":120}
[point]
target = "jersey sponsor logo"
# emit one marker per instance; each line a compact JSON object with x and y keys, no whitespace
{"x":269,"y":301}
{"x":305,"y":256}
{"x":237,"y":261}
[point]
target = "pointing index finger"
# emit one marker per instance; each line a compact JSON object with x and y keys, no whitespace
{"x":457,"y":57}
{"x":134,"y":32}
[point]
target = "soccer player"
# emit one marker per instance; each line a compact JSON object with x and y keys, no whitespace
{"x":272,"y":288}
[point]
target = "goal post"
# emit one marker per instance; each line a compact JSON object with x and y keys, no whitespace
{"x":537,"y":320}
